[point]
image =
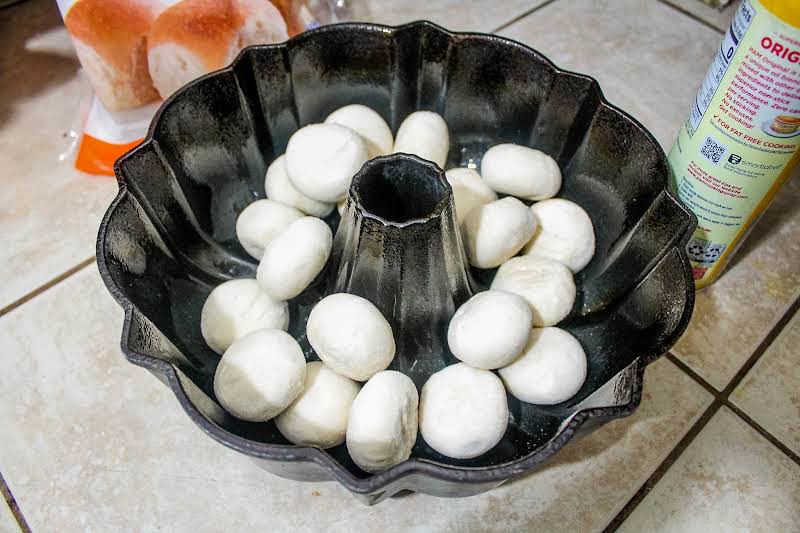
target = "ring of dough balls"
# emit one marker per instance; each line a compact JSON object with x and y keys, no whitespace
{"x":293,"y":259}
{"x":280,"y":188}
{"x":545,"y":284}
{"x":238,"y":307}
{"x":521,"y":171}
{"x":321,"y":160}
{"x":469,"y":190}
{"x":383,"y":421}
{"x":463,"y":411}
{"x":319,"y":415}
{"x":550,"y":370}
{"x":367,"y":123}
{"x":260,"y":222}
{"x":424,"y":134}
{"x":490,"y":329}
{"x":260,"y":375}
{"x":564,"y":233}
{"x":495,"y":232}
{"x":351,"y":336}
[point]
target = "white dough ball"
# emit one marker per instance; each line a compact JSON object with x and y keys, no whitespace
{"x":321,"y":160}
{"x":469,"y":190}
{"x":564,"y":233}
{"x":294,"y":257}
{"x":260,"y":222}
{"x":238,"y":307}
{"x":318,"y":417}
{"x":521,"y":171}
{"x":490,"y":329}
{"x":463,"y":411}
{"x":260,"y":375}
{"x":367,"y":123}
{"x":551,"y":369}
{"x":383,"y":421}
{"x":280,"y":189}
{"x":496,"y":231}
{"x":424,"y":134}
{"x":547,"y":286}
{"x":350,"y":335}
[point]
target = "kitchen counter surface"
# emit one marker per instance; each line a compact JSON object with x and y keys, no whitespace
{"x":92,"y":443}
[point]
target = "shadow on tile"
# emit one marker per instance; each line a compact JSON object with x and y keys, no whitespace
{"x":785,"y":208}
{"x":26,"y":70}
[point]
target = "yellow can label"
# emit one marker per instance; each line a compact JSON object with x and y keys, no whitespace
{"x":739,"y":142}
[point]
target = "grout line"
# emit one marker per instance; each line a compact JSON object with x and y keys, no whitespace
{"x":12,"y":504}
{"x":777,"y":327}
{"x":42,"y":288}
{"x":662,"y":468}
{"x":692,"y":16}
{"x":721,"y":398}
{"x":521,"y":16}
{"x":764,"y":433}
{"x":692,"y":374}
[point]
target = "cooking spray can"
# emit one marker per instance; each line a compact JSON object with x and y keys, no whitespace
{"x":740,"y":142}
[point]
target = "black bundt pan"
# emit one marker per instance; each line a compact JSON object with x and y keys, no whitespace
{"x":169,"y":235}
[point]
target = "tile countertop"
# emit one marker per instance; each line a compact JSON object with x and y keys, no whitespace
{"x":92,"y":443}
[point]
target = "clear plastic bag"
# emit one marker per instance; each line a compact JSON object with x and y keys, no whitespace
{"x":135,"y":53}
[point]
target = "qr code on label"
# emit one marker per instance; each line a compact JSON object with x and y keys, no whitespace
{"x":713,"y":150}
{"x":703,"y":251}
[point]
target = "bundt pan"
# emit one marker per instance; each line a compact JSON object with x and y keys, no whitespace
{"x":169,"y":236}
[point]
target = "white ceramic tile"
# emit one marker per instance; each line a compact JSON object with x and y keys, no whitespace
{"x":457,"y":15}
{"x":729,"y":479}
{"x":770,"y":392}
{"x":94,"y":443}
{"x":50,"y":212}
{"x":652,"y":70}
{"x":8,"y":524}
{"x":719,"y":18}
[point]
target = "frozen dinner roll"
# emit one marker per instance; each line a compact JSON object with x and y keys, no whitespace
{"x":238,"y":307}
{"x":319,"y":415}
{"x":260,"y":374}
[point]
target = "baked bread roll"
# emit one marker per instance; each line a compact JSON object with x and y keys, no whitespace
{"x":194,"y":37}
{"x":110,"y":38}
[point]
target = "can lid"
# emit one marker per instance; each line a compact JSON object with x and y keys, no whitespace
{"x":787,"y":11}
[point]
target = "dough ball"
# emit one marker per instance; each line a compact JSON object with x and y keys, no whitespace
{"x":469,"y":190}
{"x":260,"y":375}
{"x":521,"y":171}
{"x":496,"y":231}
{"x":383,"y":421}
{"x":551,"y":369}
{"x":293,"y":259}
{"x":490,"y":329}
{"x":321,"y":160}
{"x":280,"y":189}
{"x":547,"y":285}
{"x":463,"y":411}
{"x":318,"y":417}
{"x":260,"y":222}
{"x":238,"y":307}
{"x":424,"y":134}
{"x":367,"y":123}
{"x":564,"y":232}
{"x":350,"y":335}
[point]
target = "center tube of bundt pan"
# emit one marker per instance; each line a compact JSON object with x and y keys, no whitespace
{"x":398,"y":245}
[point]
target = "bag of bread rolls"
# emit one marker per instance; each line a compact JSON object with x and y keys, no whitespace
{"x":137,"y":52}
